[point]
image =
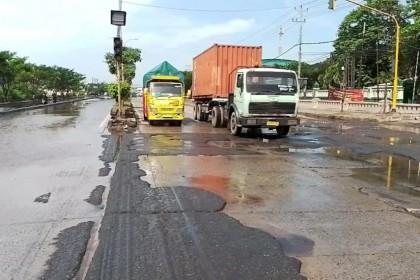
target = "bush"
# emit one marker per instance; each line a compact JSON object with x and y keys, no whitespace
{"x":125,"y":90}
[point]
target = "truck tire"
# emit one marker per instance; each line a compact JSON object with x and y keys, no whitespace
{"x":152,"y":123}
{"x":202,"y":116}
{"x":216,"y":117}
{"x":195,"y":111}
{"x":282,"y":131}
{"x":233,"y":125}
{"x":224,"y":118}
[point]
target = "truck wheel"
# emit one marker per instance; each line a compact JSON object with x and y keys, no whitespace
{"x":223,"y":118}
{"x":282,"y":131}
{"x":233,"y":125}
{"x":199,"y":114}
{"x":216,"y":117}
{"x":152,"y":123}
{"x":195,"y":114}
{"x":202,"y":116}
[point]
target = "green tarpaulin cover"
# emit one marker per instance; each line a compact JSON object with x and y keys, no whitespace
{"x":163,"y":69}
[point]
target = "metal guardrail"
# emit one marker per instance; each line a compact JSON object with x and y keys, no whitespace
{"x":372,"y":107}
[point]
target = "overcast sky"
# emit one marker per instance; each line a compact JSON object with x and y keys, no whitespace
{"x":77,"y":33}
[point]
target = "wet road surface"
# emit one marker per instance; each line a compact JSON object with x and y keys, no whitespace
{"x":334,"y":194}
{"x":49,"y":166}
{"x":197,"y":203}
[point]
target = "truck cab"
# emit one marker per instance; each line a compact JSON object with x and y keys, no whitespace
{"x":264,"y":98}
{"x":163,"y":100}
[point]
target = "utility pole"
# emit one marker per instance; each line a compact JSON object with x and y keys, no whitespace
{"x":361,"y":57}
{"x":415,"y":77}
{"x":377,"y":69}
{"x":119,"y":74}
{"x":300,"y":20}
{"x":281,"y":34}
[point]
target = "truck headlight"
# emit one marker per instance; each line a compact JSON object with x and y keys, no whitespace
{"x":153,"y":110}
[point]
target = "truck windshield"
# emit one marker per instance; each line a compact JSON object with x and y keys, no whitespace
{"x":271,"y":83}
{"x":165,"y":89}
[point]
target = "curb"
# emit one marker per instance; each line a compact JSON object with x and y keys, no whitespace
{"x":337,"y":117}
{"x":42,"y":106}
{"x":383,"y":119}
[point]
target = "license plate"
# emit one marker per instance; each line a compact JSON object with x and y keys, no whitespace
{"x":272,"y":123}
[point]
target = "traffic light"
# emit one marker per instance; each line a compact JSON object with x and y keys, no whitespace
{"x":332,"y":4}
{"x":118,"y":48}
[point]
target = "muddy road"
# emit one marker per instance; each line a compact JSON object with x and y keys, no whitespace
{"x":334,"y":200}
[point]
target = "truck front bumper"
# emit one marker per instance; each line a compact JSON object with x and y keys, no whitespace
{"x":268,"y":122}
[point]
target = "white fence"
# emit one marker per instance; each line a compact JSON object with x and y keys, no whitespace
{"x":368,"y":107}
{"x":370,"y":93}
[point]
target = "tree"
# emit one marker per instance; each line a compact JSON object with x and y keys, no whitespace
{"x":21,"y":80}
{"x":10,"y":65}
{"x":130,"y":57}
{"x":360,"y":36}
{"x":188,"y":80}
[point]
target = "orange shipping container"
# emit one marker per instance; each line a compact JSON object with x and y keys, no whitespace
{"x":214,"y":69}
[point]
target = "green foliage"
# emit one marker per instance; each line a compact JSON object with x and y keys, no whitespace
{"x":20,"y":80}
{"x":97,"y":88}
{"x":364,"y":34}
{"x":188,"y":80}
{"x":313,"y":72}
{"x":130,"y":57}
{"x":125,"y":90}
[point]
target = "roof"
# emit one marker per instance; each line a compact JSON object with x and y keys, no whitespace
{"x":163,"y":69}
{"x":277,"y":62}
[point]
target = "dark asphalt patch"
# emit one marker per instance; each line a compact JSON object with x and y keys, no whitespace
{"x":95,"y":197}
{"x":43,"y":198}
{"x":177,"y":233}
{"x":110,"y":147}
{"x":187,"y":246}
{"x":104,"y":171}
{"x":71,"y":244}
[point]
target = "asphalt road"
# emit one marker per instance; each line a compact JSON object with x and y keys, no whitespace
{"x":49,"y":167}
{"x":334,"y":200}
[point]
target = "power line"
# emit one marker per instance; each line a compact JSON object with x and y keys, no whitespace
{"x":309,"y":43}
{"x":265,"y":27}
{"x":203,"y":10}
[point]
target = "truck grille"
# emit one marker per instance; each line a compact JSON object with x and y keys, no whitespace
{"x":276,"y":108}
{"x":166,"y":109}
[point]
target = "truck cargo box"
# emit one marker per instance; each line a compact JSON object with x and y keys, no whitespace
{"x":214,"y":69}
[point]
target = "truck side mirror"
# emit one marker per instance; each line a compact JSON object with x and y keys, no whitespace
{"x":240,"y":82}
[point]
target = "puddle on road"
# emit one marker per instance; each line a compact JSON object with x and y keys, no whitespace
{"x":394,"y":173}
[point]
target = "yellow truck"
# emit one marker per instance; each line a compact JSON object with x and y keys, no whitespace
{"x":163,"y":95}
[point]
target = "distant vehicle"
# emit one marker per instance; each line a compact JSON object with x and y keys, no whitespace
{"x":163,"y":95}
{"x":230,"y":87}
